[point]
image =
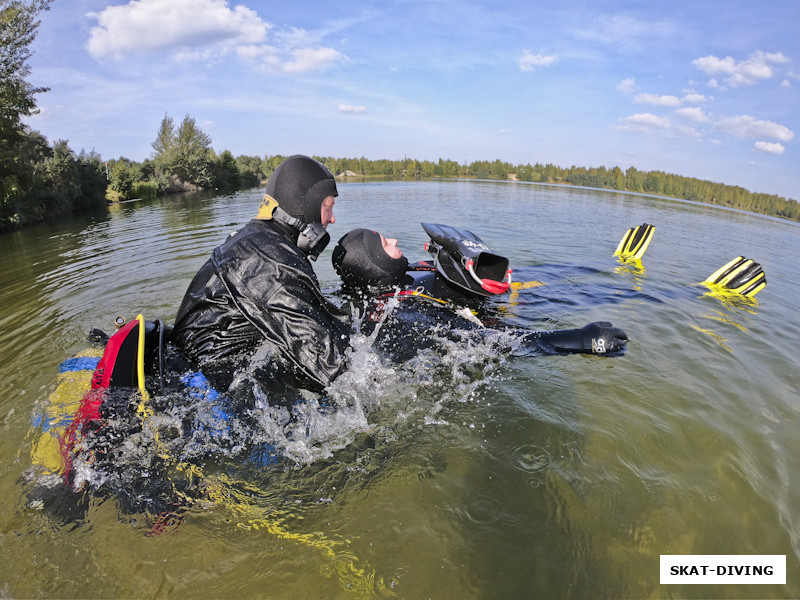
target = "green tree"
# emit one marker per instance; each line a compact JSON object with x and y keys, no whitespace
{"x":427,"y":168}
{"x":164,"y":145}
{"x":122,"y":176}
{"x":185,"y":152}
{"x":271,"y":163}
{"x":654,"y":182}
{"x":226,"y":172}
{"x":193,"y":160}
{"x":61,"y":170}
{"x":18,"y":28}
{"x":499,"y":169}
{"x":633,"y":180}
{"x":93,"y":180}
{"x":249,"y":170}
{"x":619,"y":179}
{"x":63,"y":182}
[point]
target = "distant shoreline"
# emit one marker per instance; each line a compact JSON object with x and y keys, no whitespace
{"x":353,"y":177}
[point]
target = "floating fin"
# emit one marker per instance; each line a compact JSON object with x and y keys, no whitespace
{"x":516,"y":286}
{"x":635,"y":242}
{"x":741,"y":276}
{"x":464,"y":260}
{"x":524,"y":285}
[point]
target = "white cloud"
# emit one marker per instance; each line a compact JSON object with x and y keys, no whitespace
{"x":626,"y":86}
{"x":294,"y":38}
{"x":747,"y":126}
{"x":144,"y":26}
{"x":623,"y":31}
{"x":270,"y":59}
{"x":694,"y":98}
{"x":689,"y":132}
{"x":693,"y":114}
{"x":644,"y":122}
{"x":530,"y":61}
{"x":668,"y":100}
{"x":769,"y":147}
{"x":265,"y":57}
{"x":311,"y":59}
{"x":786,"y":83}
{"x":349,"y":108}
{"x":189,"y":30}
{"x":657,"y":100}
{"x":759,"y":66}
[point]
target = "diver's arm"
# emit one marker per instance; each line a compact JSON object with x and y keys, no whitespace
{"x":275,"y":289}
{"x":600,"y":337}
{"x":311,"y":332}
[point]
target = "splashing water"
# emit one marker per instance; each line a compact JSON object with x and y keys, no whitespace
{"x":373,"y":396}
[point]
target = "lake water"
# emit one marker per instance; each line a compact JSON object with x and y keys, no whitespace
{"x":463,"y":475}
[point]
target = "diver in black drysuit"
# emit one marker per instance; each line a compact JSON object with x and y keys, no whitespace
{"x":258,"y":291}
{"x":432,"y":297}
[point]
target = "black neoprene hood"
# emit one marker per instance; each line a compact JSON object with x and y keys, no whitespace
{"x":361,"y":261}
{"x":300,"y":184}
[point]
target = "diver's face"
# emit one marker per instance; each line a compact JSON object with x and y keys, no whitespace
{"x":327,"y":211}
{"x":390,"y":247}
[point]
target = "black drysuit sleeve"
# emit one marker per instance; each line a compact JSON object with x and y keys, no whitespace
{"x":600,"y":337}
{"x":414,"y":323}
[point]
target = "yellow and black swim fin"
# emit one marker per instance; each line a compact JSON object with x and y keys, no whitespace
{"x":741,"y":276}
{"x":635,"y":242}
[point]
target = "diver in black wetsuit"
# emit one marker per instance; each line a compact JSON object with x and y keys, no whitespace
{"x":439,"y":295}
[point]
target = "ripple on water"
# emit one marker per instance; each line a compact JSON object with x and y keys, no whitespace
{"x":531,"y":458}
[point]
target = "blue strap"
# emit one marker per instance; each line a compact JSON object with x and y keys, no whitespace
{"x":199,"y":386}
{"x":79,"y":363}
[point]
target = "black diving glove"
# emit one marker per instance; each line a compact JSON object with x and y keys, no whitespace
{"x":600,"y":337}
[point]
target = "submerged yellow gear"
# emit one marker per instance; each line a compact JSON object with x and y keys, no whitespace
{"x":73,"y":382}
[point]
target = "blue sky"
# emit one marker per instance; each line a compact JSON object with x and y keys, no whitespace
{"x":706,"y":89}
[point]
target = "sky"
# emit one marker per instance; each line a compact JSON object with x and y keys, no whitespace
{"x":707,"y":89}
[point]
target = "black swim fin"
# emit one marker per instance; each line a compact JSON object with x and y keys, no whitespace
{"x":463,"y":259}
{"x":741,"y":276}
{"x":635,"y":242}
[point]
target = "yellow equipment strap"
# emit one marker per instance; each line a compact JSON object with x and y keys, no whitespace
{"x":140,"y":356}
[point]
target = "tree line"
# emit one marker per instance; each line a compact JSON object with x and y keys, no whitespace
{"x":40,"y":182}
{"x":630,"y":180}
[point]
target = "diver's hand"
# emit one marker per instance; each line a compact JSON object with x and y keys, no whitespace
{"x":601,"y":337}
